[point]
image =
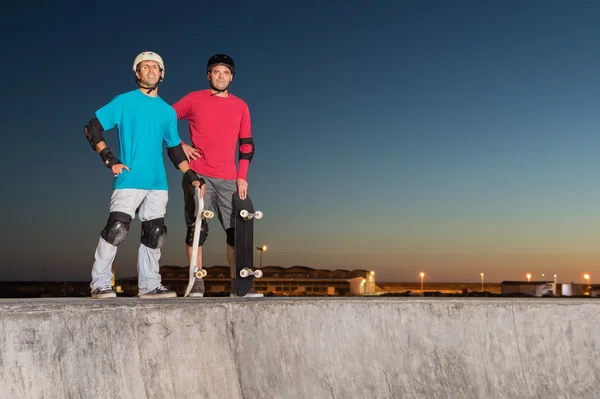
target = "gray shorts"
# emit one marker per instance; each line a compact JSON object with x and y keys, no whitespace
{"x":219,"y":194}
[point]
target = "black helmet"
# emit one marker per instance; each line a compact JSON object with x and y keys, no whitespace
{"x":221,"y":59}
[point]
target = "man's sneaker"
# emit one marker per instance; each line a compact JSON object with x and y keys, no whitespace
{"x":198,"y":289}
{"x":158,"y":292}
{"x":104,"y":291}
{"x":250,"y":294}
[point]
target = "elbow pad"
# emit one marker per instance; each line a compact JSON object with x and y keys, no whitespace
{"x":247,"y":155}
{"x":93,"y":132}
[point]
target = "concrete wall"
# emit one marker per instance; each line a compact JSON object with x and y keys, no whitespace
{"x":299,"y":348}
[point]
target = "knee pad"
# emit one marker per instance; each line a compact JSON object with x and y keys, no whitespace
{"x":230,"y":236}
{"x":154,"y":233}
{"x":189,"y":238}
{"x":117,"y":227}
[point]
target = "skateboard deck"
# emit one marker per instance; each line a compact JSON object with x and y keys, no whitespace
{"x":201,"y":213}
{"x":244,"y":244}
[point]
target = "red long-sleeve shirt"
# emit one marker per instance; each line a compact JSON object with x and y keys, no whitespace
{"x":215,"y":125}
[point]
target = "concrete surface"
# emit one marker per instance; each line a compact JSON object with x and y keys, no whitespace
{"x":300,"y":348}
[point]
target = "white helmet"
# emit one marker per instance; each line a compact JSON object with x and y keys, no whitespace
{"x":149,"y":56}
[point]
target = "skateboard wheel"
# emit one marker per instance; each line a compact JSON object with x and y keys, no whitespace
{"x":258,"y":214}
{"x":208,"y":214}
{"x":244,"y":273}
{"x":200,"y":273}
{"x":258,"y":273}
{"x":244,"y":213}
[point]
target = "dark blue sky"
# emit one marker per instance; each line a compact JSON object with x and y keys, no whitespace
{"x":453,"y":137}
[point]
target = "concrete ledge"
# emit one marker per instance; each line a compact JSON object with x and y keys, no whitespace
{"x":299,"y":348}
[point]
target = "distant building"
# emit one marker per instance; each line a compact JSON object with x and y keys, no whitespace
{"x":41,"y":289}
{"x":546,"y":288}
{"x":527,"y":288}
{"x":276,"y":281}
{"x":573,"y":289}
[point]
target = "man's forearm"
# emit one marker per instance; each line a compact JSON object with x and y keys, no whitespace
{"x":100,"y":146}
{"x":184,"y":166}
{"x":242,"y":172}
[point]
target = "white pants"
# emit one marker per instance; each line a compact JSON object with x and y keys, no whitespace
{"x":150,"y":204}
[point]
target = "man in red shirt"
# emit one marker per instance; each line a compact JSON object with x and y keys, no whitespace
{"x":219,"y":123}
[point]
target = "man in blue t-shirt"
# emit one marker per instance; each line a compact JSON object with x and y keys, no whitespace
{"x":144,"y":121}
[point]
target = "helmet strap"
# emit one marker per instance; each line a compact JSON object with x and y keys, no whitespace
{"x":150,"y":89}
{"x":217,"y":91}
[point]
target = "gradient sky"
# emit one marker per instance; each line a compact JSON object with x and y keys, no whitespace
{"x":453,"y":137}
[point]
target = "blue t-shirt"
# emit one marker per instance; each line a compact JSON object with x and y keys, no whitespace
{"x":143,"y":122}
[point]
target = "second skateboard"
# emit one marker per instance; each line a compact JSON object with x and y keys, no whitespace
{"x":244,"y":244}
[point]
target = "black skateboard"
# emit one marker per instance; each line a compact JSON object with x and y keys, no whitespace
{"x":244,"y":244}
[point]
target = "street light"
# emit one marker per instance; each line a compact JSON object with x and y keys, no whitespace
{"x":422,"y":275}
{"x":587,"y":277}
{"x":481,"y":282}
{"x":260,"y":251}
{"x":528,"y":277}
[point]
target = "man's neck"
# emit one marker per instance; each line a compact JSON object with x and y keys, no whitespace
{"x":219,"y":93}
{"x":153,"y":93}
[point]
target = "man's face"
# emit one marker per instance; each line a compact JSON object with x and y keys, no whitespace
{"x":220,"y":76}
{"x":148,"y":73}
